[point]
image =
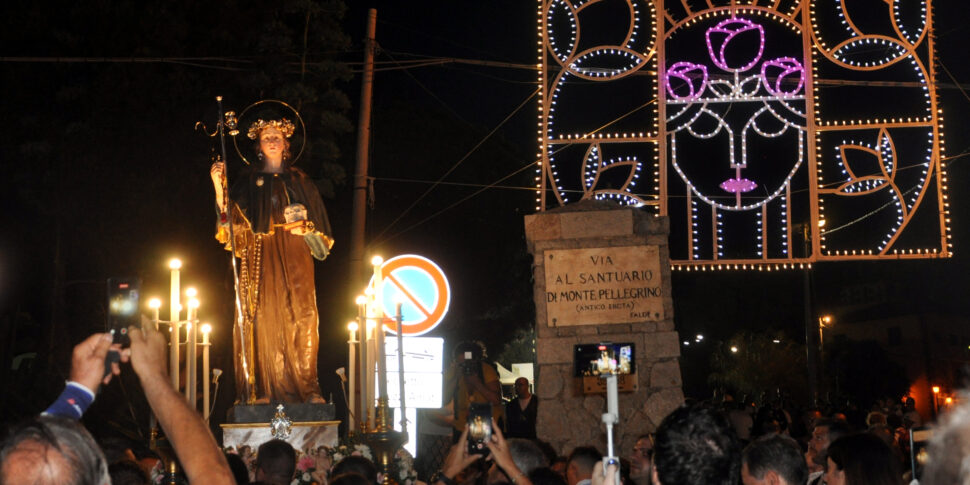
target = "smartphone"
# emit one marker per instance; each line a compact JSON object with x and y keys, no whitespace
{"x":479,"y":425}
{"x":918,"y":453}
{"x":123,"y":299}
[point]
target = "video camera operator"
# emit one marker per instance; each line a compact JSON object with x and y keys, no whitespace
{"x":471,"y":379}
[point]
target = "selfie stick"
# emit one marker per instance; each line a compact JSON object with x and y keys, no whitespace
{"x":249,"y":378}
{"x":611,"y":417}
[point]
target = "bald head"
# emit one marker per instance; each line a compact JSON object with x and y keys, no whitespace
{"x":49,"y":450}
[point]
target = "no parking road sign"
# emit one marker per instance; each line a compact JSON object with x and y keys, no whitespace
{"x":421,"y":288}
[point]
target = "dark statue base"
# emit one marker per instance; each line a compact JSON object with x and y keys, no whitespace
{"x":263,"y":413}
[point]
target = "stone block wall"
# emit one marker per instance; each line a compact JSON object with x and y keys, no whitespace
{"x":567,"y":417}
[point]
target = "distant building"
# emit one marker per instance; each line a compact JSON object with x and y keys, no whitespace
{"x":931,"y":347}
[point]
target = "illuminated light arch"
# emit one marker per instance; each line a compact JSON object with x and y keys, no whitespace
{"x":649,"y":120}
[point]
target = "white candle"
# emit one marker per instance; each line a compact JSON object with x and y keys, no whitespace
{"x":371,"y":376}
{"x":191,"y":346}
{"x":400,"y":363}
{"x":351,"y":377}
{"x":155,"y":304}
{"x":362,"y":321}
{"x":380,"y":354}
{"x":206,"y":328}
{"x":176,"y":309}
{"x":377,"y":261}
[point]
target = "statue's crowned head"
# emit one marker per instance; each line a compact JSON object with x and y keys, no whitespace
{"x":272,"y":139}
{"x":285,"y":126}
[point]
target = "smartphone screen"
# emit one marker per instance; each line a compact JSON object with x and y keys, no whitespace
{"x":479,"y":425}
{"x":123,"y":298}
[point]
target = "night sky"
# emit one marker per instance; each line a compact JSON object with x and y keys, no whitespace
{"x":105,"y":175}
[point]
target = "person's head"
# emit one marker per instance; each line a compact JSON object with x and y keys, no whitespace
{"x":116,"y":448}
{"x":775,"y":460}
{"x":527,"y":457}
{"x":696,"y":445}
{"x":546,"y":476}
{"x":52,"y":450}
{"x":580,"y":464}
{"x":356,"y":464}
{"x":522,"y":387}
{"x":350,"y":479}
{"x":238,"y":468}
{"x":275,"y":462}
{"x":861,"y":458}
{"x":468,"y":350}
{"x":127,"y":472}
{"x":642,"y":457}
{"x":272,"y":140}
{"x":558,"y":465}
{"x":826,"y":431}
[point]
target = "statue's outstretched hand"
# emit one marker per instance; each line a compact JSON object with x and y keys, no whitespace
{"x":218,"y":174}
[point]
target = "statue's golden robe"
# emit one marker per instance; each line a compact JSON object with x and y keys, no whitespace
{"x":276,"y":285}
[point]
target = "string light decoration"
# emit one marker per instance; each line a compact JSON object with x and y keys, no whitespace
{"x":729,"y":107}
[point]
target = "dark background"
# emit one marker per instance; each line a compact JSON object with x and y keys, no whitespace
{"x":104,"y":175}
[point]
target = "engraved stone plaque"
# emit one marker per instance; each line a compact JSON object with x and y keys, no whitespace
{"x":603,"y":286}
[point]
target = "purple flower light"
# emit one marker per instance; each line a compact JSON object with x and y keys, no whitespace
{"x":693,"y":77}
{"x":721,"y":35}
{"x":738,"y":185}
{"x":776,"y":73}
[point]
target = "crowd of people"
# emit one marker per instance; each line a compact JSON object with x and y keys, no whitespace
{"x":697,"y":444}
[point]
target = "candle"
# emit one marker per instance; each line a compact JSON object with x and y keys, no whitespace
{"x":206,"y":328}
{"x":191,"y":345}
{"x":377,"y":261}
{"x":351,"y":376}
{"x":371,"y":377}
{"x":362,"y":321}
{"x":176,"y":309}
{"x":155,"y":304}
{"x":380,"y":354}
{"x":400,"y":363}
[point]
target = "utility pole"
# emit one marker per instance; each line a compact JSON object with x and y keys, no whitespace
{"x":363,"y":146}
{"x":811,"y":323}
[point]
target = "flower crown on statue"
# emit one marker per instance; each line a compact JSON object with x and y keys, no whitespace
{"x":285,"y":126}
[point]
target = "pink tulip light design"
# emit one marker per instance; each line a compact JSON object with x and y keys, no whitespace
{"x":692,"y":77}
{"x":782,"y":77}
{"x":721,"y":36}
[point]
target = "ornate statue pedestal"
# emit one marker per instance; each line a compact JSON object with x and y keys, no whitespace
{"x":310,"y":426}
{"x":303,"y":436}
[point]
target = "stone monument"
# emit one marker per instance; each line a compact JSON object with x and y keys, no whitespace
{"x":602,"y":274}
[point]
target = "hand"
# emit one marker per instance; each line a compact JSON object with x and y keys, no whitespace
{"x":218,"y":174}
{"x":473,"y":380}
{"x":501,"y":453}
{"x":600,"y":478}
{"x":87,"y":361}
{"x":458,"y":458}
{"x":148,"y":353}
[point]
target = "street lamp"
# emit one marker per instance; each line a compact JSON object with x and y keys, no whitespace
{"x":823,"y":322}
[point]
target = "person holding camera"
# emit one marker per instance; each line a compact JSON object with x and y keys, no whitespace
{"x":472,"y":380}
{"x":512,"y":460}
{"x":55,"y":448}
